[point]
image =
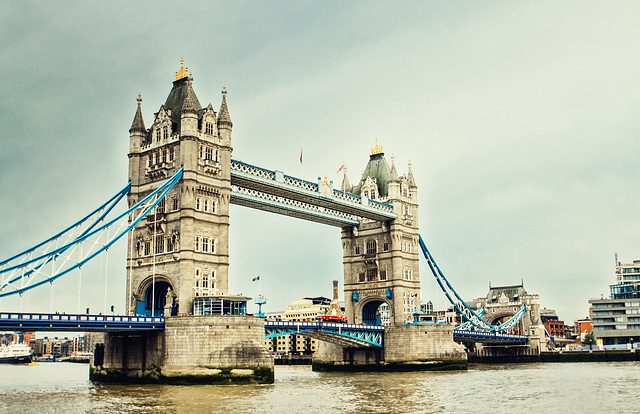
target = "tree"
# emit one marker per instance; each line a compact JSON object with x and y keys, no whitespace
{"x":589,"y":339}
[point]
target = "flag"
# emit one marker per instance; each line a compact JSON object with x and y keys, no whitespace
{"x":341,"y":167}
{"x":255,"y":278}
{"x":300,"y":155}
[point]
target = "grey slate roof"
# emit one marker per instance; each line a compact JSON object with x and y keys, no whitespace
{"x":379,"y":168}
{"x":177,"y":96}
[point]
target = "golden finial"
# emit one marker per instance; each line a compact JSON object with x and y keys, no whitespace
{"x":183,"y":72}
{"x":377,"y":149}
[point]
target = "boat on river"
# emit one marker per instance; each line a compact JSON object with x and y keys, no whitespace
{"x":15,"y":353}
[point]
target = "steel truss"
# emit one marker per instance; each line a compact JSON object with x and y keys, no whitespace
{"x":77,"y":244}
{"x":339,"y":333}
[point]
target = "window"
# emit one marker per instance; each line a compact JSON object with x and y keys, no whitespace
{"x":372,"y":273}
{"x":357,"y":249}
{"x":209,"y":153}
{"x":161,"y":206}
{"x":371,"y":246}
{"x":213,"y":245}
{"x":383,"y":274}
{"x":159,"y":244}
{"x":205,"y":281}
{"x":165,"y":133}
{"x":385,"y":247}
{"x":158,"y":135}
{"x":213,"y":206}
{"x":175,"y":203}
{"x":172,"y":154}
{"x":361,"y":277}
{"x":205,"y":245}
{"x":200,"y":152}
{"x":206,"y":205}
{"x":197,"y":245}
{"x":198,"y":203}
{"x":169,"y":244}
{"x":147,"y":248}
{"x":208,"y":128}
{"x":164,"y":156}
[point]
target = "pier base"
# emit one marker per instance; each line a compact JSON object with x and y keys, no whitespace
{"x":190,"y":350}
{"x":406,"y":348}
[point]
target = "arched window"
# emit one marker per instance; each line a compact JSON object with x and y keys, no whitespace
{"x":371,"y":246}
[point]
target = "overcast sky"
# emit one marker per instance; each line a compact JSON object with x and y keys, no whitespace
{"x":520,"y":120}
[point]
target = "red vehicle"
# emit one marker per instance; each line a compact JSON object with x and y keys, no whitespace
{"x":332,"y":318}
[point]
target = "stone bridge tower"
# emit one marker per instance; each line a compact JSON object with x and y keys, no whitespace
{"x":381,"y":259}
{"x":181,"y":250}
{"x":502,"y":302}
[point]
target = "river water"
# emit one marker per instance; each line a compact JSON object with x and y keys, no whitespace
{"x":534,"y":388}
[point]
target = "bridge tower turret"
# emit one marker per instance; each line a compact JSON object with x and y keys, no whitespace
{"x":180,"y":251}
{"x":381,"y":259}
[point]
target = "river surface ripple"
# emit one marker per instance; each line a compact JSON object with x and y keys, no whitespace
{"x":535,"y":388}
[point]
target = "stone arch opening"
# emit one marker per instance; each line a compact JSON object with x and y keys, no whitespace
{"x":501,"y":316}
{"x":152,"y":296}
{"x":371,"y":312}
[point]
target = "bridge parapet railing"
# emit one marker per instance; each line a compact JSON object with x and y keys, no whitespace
{"x":316,"y":325}
{"x":79,"y":317}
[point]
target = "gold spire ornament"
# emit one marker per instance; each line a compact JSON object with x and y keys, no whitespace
{"x":377,"y":149}
{"x":183,"y":72}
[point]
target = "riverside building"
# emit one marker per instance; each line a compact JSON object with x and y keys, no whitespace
{"x":616,"y":320}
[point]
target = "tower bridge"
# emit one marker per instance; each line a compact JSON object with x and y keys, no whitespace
{"x":182,"y":182}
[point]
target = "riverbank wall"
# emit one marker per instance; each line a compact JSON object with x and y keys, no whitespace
{"x":560,"y":356}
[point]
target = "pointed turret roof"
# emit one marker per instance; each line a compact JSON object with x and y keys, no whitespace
{"x":190,"y":103}
{"x":223,"y":115}
{"x":138,"y":123}
{"x":346,"y":186}
{"x":393,"y":174}
{"x":412,"y":181}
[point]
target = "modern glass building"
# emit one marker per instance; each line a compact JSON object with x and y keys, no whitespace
{"x":220,"y":305}
{"x":616,"y":320}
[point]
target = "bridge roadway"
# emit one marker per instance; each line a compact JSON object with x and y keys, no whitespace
{"x":342,"y":334}
{"x":18,"y":321}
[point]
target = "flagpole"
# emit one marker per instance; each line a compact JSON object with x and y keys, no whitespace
{"x":301,"y":165}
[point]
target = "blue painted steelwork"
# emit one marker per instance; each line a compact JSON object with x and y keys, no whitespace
{"x":15,"y":321}
{"x":487,"y":336}
{"x":546,"y":332}
{"x":467,"y":325}
{"x":461,"y":307}
{"x":344,"y":334}
{"x":25,"y":269}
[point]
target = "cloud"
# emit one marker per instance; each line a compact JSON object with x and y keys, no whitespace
{"x":519,"y":121}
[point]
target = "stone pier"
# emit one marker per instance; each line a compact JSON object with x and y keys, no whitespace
{"x":190,"y":350}
{"x":406,"y":348}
